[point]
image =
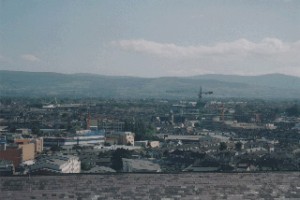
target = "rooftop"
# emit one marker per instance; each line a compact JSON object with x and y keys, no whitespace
{"x":56,"y":160}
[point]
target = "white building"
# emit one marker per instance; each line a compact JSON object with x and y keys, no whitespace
{"x":270,"y":126}
{"x":147,"y":144}
{"x":56,"y":164}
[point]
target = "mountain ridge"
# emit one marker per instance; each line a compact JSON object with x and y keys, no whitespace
{"x":22,"y":83}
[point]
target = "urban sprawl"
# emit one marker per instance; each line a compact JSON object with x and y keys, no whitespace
{"x":90,"y":135}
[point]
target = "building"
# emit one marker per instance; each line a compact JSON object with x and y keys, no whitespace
{"x":28,"y":148}
{"x":111,"y":125}
{"x":243,"y":125}
{"x":3,"y":129}
{"x":21,"y":151}
{"x":28,"y":151}
{"x":56,"y":164}
{"x":134,"y":165}
{"x":86,"y":138}
{"x":270,"y":126}
{"x":52,"y":131}
{"x":25,"y":131}
{"x":3,"y":142}
{"x":121,"y":138}
{"x":147,"y":144}
{"x":12,"y":153}
{"x":39,"y":145}
{"x":112,"y":140}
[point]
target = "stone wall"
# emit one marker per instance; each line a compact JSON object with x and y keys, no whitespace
{"x":154,"y":186}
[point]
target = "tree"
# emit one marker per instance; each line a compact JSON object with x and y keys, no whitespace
{"x":166,"y":153}
{"x":56,"y":148}
{"x":293,"y":111}
{"x":36,"y":131}
{"x":238,"y":146}
{"x":223,"y":146}
{"x":117,"y":156}
{"x":86,"y":166}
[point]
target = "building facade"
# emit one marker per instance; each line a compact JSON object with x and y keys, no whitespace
{"x":90,"y":137}
{"x":12,"y":153}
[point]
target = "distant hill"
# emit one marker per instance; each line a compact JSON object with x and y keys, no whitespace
{"x":269,"y":80}
{"x":37,"y":84}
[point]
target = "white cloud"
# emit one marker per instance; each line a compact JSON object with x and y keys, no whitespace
{"x":241,"y":47}
{"x":270,"y":55}
{"x":241,"y":56}
{"x":30,"y":57}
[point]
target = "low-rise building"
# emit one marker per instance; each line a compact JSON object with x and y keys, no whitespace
{"x":147,"y":144}
{"x":28,"y":151}
{"x":28,"y":148}
{"x":3,"y":129}
{"x":56,"y":164}
{"x":270,"y":126}
{"x":37,"y":141}
{"x":39,"y":145}
{"x":22,"y":150}
{"x":86,"y":138}
{"x":122,"y":138}
{"x":24,"y":131}
{"x":12,"y":153}
{"x":111,"y":125}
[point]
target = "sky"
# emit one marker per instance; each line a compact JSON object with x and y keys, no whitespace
{"x":151,"y":38}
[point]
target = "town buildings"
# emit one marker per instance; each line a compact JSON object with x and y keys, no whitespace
{"x":228,"y":136}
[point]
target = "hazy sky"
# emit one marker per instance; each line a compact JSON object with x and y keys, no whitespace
{"x":151,"y":38}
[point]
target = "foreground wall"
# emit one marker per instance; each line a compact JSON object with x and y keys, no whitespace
{"x":154,"y":186}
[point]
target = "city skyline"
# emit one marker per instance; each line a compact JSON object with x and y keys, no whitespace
{"x":151,"y":38}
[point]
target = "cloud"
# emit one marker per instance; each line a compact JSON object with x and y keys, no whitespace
{"x":30,"y":58}
{"x":241,"y":47}
{"x":242,"y":56}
